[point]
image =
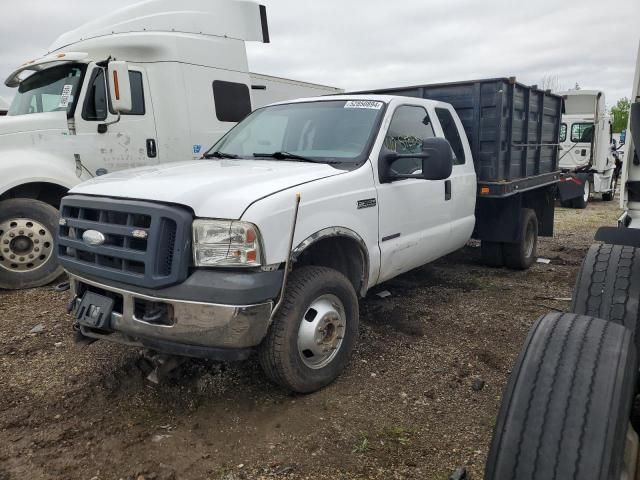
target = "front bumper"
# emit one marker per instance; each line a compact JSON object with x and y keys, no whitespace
{"x":190,"y":328}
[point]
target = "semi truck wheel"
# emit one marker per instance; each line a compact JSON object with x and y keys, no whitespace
{"x":608,"y":286}
{"x":521,"y":255}
{"x":27,"y":233}
{"x":313,"y":334}
{"x":491,"y":253}
{"x":565,"y":412}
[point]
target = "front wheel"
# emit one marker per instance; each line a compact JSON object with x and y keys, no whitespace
{"x":27,"y":232}
{"x":313,"y":334}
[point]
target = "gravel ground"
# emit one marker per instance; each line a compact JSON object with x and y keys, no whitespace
{"x":418,"y":400}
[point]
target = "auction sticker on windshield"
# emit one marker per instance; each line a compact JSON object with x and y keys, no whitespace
{"x":65,"y":96}
{"x":370,"y":104}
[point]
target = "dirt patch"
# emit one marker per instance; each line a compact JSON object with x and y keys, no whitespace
{"x":418,"y":400}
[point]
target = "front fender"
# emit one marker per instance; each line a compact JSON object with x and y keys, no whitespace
{"x":328,"y":205}
{"x":19,"y":167}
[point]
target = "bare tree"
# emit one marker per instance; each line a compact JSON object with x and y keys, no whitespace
{"x":552,"y":82}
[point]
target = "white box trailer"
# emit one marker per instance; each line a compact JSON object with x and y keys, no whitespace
{"x":189,"y":83}
{"x":586,"y":156}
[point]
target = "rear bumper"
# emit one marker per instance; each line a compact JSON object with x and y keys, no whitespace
{"x":191,"y":328}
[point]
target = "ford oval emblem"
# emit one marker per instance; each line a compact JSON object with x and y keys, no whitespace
{"x":93,"y":238}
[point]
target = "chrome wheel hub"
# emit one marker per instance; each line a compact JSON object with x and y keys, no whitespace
{"x":321,"y":331}
{"x":529,"y":240}
{"x":25,"y":245}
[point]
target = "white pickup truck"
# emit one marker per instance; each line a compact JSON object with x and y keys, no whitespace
{"x":189,"y":84}
{"x":301,"y":208}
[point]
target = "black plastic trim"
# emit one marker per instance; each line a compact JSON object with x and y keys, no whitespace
{"x":223,"y":287}
{"x":196,"y":351}
{"x":265,"y":24}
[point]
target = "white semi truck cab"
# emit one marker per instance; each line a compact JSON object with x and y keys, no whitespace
{"x":185,"y":76}
{"x":299,"y":210}
{"x":586,"y":156}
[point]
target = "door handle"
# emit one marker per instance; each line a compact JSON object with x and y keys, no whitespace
{"x":152,"y":151}
{"x":447,"y":190}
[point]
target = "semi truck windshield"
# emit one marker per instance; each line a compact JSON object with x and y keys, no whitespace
{"x":52,"y":90}
{"x":324,"y":131}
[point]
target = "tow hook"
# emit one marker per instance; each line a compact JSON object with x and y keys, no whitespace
{"x":162,"y":365}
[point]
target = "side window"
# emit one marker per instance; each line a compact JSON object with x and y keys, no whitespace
{"x":95,"y":104}
{"x":232,"y":101}
{"x":452,"y":134}
{"x":409,"y":127}
{"x":582,"y":132}
{"x":563,"y":132}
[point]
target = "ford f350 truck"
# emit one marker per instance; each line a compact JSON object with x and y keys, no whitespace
{"x":302,"y":208}
{"x":189,"y":83}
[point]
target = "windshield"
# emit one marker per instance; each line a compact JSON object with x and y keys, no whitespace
{"x":52,"y":90}
{"x":331,"y":131}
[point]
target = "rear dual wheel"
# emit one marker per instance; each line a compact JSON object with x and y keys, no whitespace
{"x":519,"y":256}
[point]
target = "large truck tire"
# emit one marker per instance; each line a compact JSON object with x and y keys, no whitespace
{"x":27,"y":244}
{"x":582,"y":202}
{"x":313,"y":334}
{"x":565,"y":412}
{"x":608,"y":286}
{"x":491,"y":253}
{"x":607,"y":196}
{"x":521,"y":255}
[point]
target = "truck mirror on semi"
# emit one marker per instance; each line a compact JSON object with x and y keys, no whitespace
{"x":77,"y":113}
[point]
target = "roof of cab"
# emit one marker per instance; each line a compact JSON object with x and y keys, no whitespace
{"x":373,"y":98}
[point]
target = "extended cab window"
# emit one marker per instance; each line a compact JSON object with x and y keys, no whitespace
{"x":582,"y":132}
{"x":232,"y":101}
{"x":95,"y":105}
{"x":409,"y":127}
{"x":563,"y":132}
{"x":452,"y":134}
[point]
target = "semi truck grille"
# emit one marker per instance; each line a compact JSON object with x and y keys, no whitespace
{"x":138,"y":243}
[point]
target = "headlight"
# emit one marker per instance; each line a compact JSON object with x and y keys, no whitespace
{"x":226,"y":243}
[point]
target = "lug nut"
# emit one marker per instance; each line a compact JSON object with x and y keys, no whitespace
{"x":36,"y":249}
{"x":30,"y":234}
{"x":12,"y":256}
{"x":12,"y":234}
{"x":21,"y":232}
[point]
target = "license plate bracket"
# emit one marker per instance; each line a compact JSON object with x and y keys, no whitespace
{"x":95,"y":311}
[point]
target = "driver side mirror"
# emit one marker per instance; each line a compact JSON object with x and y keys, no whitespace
{"x":120,"y":87}
{"x":436,"y":156}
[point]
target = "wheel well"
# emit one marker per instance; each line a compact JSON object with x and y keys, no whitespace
{"x":45,"y":192}
{"x":341,"y":253}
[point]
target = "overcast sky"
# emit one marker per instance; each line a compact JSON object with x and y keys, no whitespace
{"x":357,"y":44}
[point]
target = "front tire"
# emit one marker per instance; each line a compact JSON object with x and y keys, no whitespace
{"x":27,"y":250}
{"x":565,"y":412}
{"x":313,"y":335}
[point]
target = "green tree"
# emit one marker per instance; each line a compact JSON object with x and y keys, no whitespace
{"x":620,"y":114}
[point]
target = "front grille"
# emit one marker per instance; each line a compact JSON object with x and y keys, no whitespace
{"x":145,"y":244}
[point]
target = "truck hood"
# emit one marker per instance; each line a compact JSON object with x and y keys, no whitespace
{"x":211,"y":188}
{"x":35,"y":122}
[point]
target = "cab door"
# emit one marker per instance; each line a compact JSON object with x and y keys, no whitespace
{"x":414,"y":224}
{"x":462,"y":185}
{"x":131,"y":142}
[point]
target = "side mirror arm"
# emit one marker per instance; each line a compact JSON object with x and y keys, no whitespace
{"x":103,"y":127}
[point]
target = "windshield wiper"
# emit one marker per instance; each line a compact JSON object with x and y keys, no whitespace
{"x":290,"y":156}
{"x":219,"y":154}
